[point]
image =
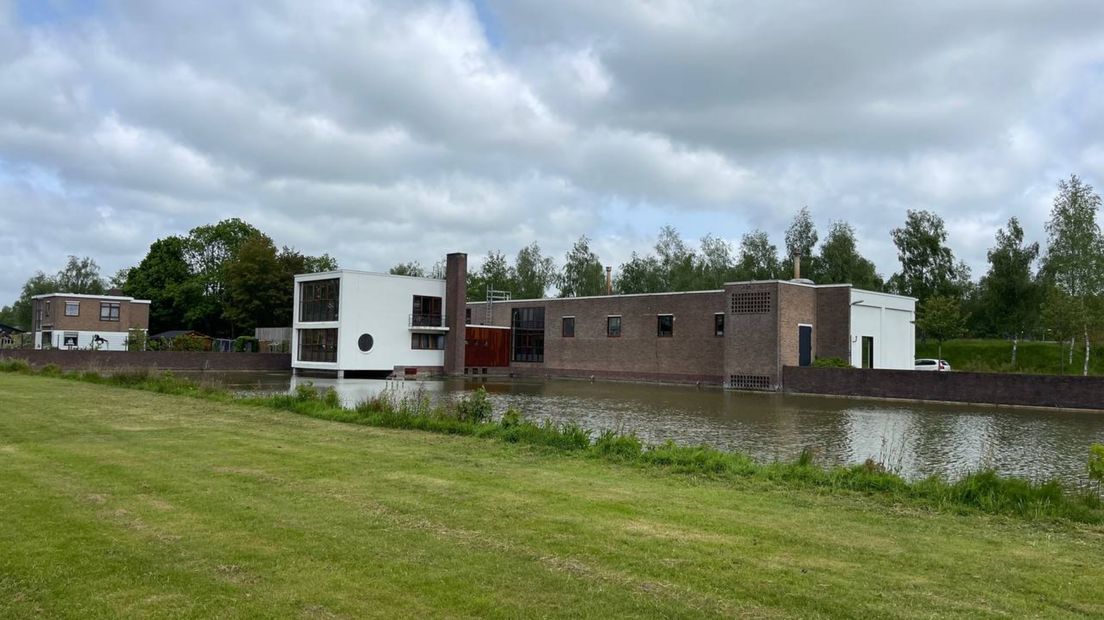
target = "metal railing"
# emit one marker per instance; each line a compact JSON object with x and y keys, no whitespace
{"x":427,"y":320}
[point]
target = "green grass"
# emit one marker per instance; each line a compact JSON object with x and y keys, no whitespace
{"x":991,"y":355}
{"x":128,"y":503}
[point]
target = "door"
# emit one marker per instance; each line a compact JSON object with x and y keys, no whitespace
{"x":804,"y":345}
{"x":868,"y":351}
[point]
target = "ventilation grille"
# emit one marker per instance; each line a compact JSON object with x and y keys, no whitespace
{"x":751,"y":302}
{"x":750,"y":382}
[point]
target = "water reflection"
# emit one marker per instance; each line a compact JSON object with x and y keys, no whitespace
{"x":915,"y":439}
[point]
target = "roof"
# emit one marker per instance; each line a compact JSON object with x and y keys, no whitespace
{"x":11,"y":329}
{"x":100,"y":297}
{"x":322,"y":275}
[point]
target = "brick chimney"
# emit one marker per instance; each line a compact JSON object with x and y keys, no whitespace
{"x":456,"y":302}
{"x":609,"y":280}
{"x":797,"y":265}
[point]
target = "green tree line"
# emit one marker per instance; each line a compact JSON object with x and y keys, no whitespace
{"x":221,"y":279}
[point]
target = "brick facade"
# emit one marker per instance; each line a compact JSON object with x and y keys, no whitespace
{"x":49,"y":314}
{"x":163,"y":360}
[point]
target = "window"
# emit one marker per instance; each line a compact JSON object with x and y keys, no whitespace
{"x":427,"y":312}
{"x":665,"y":325}
{"x":718,"y":324}
{"x":751,"y":302}
{"x":432,"y":342}
{"x":569,"y":327}
{"x":72,"y":308}
{"x":318,"y":345}
{"x":109,"y":311}
{"x":868,"y":351}
{"x":47,"y":308}
{"x":528,"y":329}
{"x":69,"y":340}
{"x":467,"y":316}
{"x":318,"y":300}
{"x":613,"y":326}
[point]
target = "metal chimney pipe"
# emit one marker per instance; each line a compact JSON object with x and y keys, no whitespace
{"x":609,"y":280}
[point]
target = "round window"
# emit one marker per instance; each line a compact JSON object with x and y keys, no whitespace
{"x":365,"y":342}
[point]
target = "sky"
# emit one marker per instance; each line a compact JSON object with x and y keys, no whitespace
{"x":384,"y":132}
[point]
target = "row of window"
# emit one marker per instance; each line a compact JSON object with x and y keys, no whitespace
{"x":320,"y":345}
{"x":109,"y":310}
{"x":665,"y":326}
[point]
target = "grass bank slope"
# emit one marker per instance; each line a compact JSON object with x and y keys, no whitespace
{"x":118,"y":502}
{"x":991,"y":355}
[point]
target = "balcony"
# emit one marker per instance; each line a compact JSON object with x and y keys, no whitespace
{"x":427,"y":323}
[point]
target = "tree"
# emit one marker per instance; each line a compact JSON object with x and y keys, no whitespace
{"x":22,"y":309}
{"x":941,"y":318}
{"x":534,"y":272}
{"x":676,"y":261}
{"x":642,"y":274}
{"x":582,"y":273}
{"x":928,"y":267}
{"x":801,"y":238}
{"x":119,"y":280}
{"x":413,"y":268}
{"x":208,"y":249}
{"x":1008,"y":294}
{"x":494,"y":274}
{"x":715,"y":263}
{"x":80,"y":276}
{"x":165,"y":278}
{"x":758,"y":257}
{"x":254,"y":284}
{"x":318,"y":264}
{"x":291,"y":263}
{"x":839,"y":261}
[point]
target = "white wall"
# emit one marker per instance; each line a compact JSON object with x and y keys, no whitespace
{"x":376,"y":304}
{"x":116,"y":341}
{"x":889,"y":319}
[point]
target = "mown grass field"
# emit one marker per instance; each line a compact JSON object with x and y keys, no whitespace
{"x":121,"y":503}
{"x":992,"y":355}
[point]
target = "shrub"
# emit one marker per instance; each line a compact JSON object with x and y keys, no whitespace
{"x":331,"y":399}
{"x":511,"y":418}
{"x":474,"y":407}
{"x":51,"y":370}
{"x":831,"y":362}
{"x":613,"y":444}
{"x":190,"y":342}
{"x":15,"y":365}
{"x":305,"y":391}
{"x":1096,"y":462}
{"x":246,"y":344}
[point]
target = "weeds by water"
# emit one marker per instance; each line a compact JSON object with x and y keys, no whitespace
{"x":470,"y":415}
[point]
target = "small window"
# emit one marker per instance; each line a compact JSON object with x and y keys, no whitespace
{"x":613,"y":326}
{"x":868,"y":351}
{"x":718,"y":324}
{"x":467,"y":316}
{"x":569,"y":327}
{"x":109,"y":311}
{"x":665,"y":325}
{"x":430,"y":342}
{"x":72,"y":308}
{"x":47,"y":309}
{"x":69,"y":340}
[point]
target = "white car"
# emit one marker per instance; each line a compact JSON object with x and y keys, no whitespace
{"x":930,"y":364}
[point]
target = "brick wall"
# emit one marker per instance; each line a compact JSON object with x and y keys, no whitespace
{"x":833,"y":322}
{"x":961,"y":387}
{"x":693,"y":353}
{"x":131,"y":315}
{"x":751,"y":336}
{"x":165,"y":360}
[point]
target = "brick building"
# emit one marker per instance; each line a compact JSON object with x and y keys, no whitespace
{"x":70,"y":321}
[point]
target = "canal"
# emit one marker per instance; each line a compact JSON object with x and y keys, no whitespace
{"x":913,"y":439}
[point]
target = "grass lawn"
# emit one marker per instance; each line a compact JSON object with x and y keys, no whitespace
{"x":117,"y":502}
{"x":994,"y":355}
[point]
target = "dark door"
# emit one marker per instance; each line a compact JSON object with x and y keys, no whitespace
{"x":804,"y":345}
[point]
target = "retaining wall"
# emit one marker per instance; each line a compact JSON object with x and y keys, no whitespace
{"x":1066,"y":392}
{"x":164,"y":360}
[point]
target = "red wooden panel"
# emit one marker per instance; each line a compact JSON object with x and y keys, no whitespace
{"x":486,"y":347}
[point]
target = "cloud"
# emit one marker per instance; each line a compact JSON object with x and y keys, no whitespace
{"x":389,"y":131}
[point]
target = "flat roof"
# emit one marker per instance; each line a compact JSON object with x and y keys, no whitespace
{"x":339,"y":272}
{"x":615,"y":296}
{"x":102,"y":297}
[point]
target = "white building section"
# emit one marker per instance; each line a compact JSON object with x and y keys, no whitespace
{"x":883,"y":330}
{"x":86,"y":340}
{"x":357,"y":321}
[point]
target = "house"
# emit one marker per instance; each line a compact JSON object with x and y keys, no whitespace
{"x":71,"y":321}
{"x":740,"y":336}
{"x":9,"y":335}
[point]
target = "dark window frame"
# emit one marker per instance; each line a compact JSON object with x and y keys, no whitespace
{"x":319,"y":300}
{"x":719,"y":324}
{"x":565,"y":331}
{"x":665,"y":326}
{"x":317,"y":345}
{"x":527,"y":326}
{"x":427,"y":311}
{"x":114,"y":311}
{"x":611,"y":331}
{"x":427,"y":342}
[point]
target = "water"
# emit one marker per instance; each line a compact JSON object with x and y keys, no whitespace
{"x":913,"y":439}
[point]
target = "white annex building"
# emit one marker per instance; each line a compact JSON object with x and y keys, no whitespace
{"x":359,"y":321}
{"x":883,"y":330}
